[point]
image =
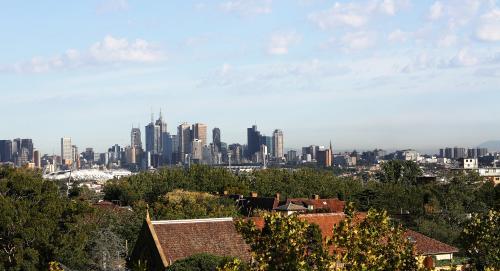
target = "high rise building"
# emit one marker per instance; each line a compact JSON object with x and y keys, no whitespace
{"x":197,"y":149}
{"x":199,"y":131}
{"x":324,"y":157}
{"x":167,"y":148}
{"x":459,"y":153}
{"x":75,"y":156}
{"x":135,"y":138}
{"x":482,"y":152}
{"x":216,"y":139}
{"x":268,"y":141}
{"x":27,"y":144}
{"x":66,"y":150}
{"x":37,"y":159}
{"x":253,"y":141}
{"x":16,"y":146}
{"x":184,"y":141}
{"x":292,"y":156}
{"x":153,"y":137}
{"x":5,"y":151}
{"x":278,"y":144}
{"x":163,"y":129}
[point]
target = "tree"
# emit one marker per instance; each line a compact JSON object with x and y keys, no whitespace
{"x":180,"y":204}
{"x":372,"y":243}
{"x":285,"y":243}
{"x":481,"y":237}
{"x":398,"y":171}
{"x":200,"y":262}
{"x":37,"y":224}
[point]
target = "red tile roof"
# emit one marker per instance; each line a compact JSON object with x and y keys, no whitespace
{"x":427,"y":246}
{"x":333,"y":205}
{"x":182,"y":238}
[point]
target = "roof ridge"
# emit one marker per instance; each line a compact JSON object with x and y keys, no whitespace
{"x":186,"y":221}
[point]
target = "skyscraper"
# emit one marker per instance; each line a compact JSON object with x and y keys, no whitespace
{"x":184,"y":140}
{"x":153,"y":137}
{"x":167,"y":148}
{"x":253,"y":141}
{"x":216,"y":139}
{"x":5,"y":150}
{"x":200,"y":133}
{"x":37,"y":158}
{"x":163,"y":129}
{"x":135,"y":138}
{"x":66,"y":150}
{"x":27,"y":144}
{"x":278,"y":144}
{"x":268,"y":141}
{"x":197,"y":149}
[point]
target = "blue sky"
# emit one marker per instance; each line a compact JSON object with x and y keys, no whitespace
{"x":365,"y":74}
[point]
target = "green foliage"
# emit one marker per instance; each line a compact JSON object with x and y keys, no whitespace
{"x":200,"y":262}
{"x":398,"y":171}
{"x":373,"y":243}
{"x":37,"y":224}
{"x":285,"y":243}
{"x":180,"y":204}
{"x":481,"y":237}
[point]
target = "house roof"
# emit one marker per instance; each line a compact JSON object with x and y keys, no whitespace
{"x":290,"y":207}
{"x":334,"y":205}
{"x":425,"y":245}
{"x":179,"y":239}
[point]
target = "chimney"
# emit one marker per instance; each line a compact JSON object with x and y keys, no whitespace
{"x":277,"y":196}
{"x":315,"y":196}
{"x":253,"y":194}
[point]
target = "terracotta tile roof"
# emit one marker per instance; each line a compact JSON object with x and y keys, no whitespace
{"x":290,"y":207}
{"x":182,"y":238}
{"x":427,"y":246}
{"x":334,"y":205}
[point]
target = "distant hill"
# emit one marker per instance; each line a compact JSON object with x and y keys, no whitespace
{"x":492,"y":145}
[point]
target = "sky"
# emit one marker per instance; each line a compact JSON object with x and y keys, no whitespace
{"x":370,"y":73}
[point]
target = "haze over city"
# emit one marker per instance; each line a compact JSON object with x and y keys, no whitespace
{"x":364,"y":74}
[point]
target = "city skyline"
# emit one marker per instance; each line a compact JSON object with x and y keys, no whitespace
{"x":364,"y":74}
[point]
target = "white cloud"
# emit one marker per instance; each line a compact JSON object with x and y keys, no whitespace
{"x":121,"y":50}
{"x":349,"y":14}
{"x":489,"y":28}
{"x":247,"y":7}
{"x":109,"y":50}
{"x":398,"y":36}
{"x":280,"y":43}
{"x":355,"y":14}
{"x":358,"y":40}
{"x":462,"y":59}
{"x":112,"y":6}
{"x":436,"y":10}
{"x":447,"y":40}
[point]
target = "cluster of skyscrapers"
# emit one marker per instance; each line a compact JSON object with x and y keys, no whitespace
{"x":20,"y":152}
{"x":458,"y":152}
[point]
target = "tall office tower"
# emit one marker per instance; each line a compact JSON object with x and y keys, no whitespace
{"x":268,"y":141}
{"x":135,"y":138}
{"x":448,"y":153}
{"x":441,"y":153}
{"x":292,"y":156}
{"x":331,"y":153}
{"x":184,"y":141}
{"x":197,"y":149}
{"x":167,"y":148}
{"x":472,"y":153}
{"x":253,"y":141}
{"x":27,"y":143}
{"x":66,"y":150}
{"x":175,"y":149}
{"x":278,"y":143}
{"x":236,"y":152}
{"x":324,"y":158}
{"x":37,"y":158}
{"x":216,"y":139}
{"x":22,"y":158}
{"x":482,"y":152}
{"x":163,"y":129}
{"x":89,"y":154}
{"x":5,"y":151}
{"x":200,"y":133}
{"x":153,"y":137}
{"x":16,"y":146}
{"x":76,"y":156}
{"x":459,"y":153}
